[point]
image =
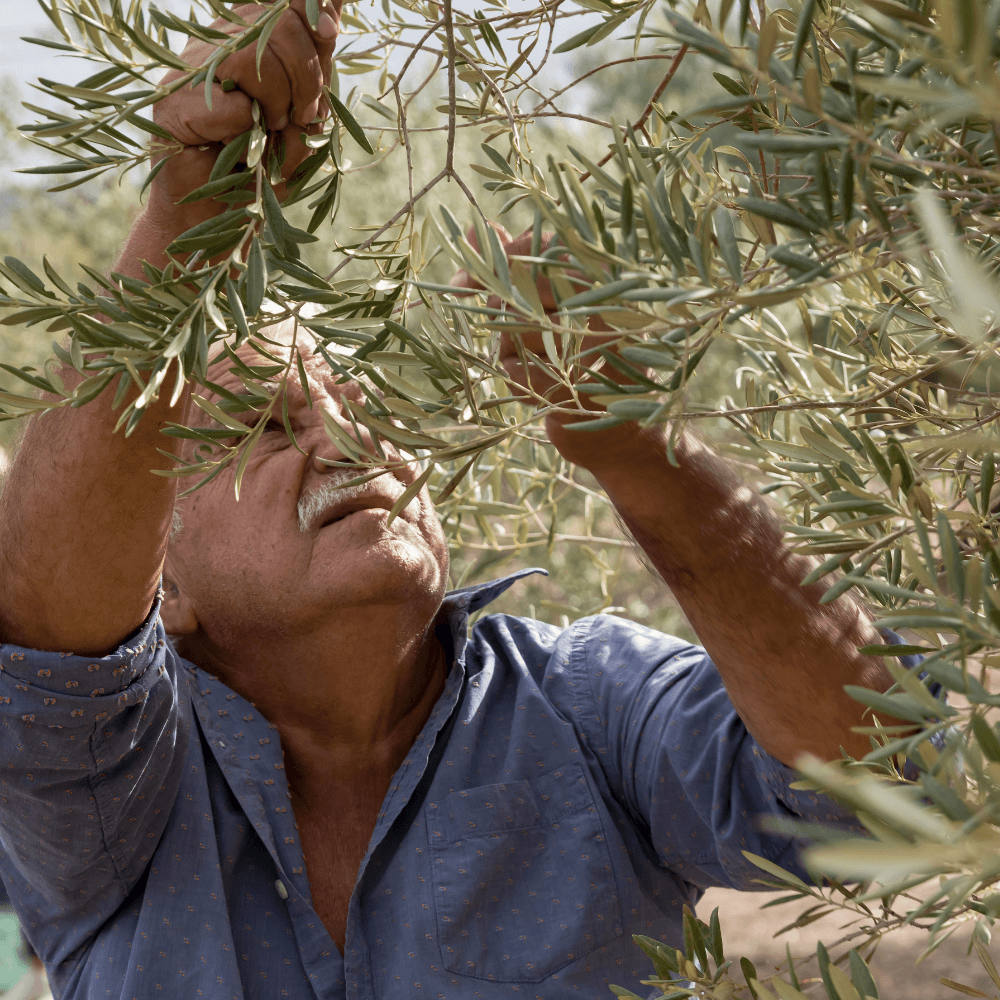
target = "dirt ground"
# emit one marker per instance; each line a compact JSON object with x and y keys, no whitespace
{"x":749,"y":931}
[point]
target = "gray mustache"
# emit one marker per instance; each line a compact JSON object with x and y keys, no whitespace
{"x":331,"y":493}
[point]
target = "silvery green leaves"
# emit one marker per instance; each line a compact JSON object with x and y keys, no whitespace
{"x":800,"y":260}
{"x":350,"y":122}
{"x":701,"y":969}
{"x":109,"y":108}
{"x":615,"y":268}
{"x":170,"y":323}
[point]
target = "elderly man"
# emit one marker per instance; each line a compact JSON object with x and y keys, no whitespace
{"x":321,"y":784}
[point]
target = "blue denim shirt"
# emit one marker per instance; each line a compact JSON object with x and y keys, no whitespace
{"x":571,"y":787}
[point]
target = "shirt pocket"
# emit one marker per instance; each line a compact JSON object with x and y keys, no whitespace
{"x":522,"y":877}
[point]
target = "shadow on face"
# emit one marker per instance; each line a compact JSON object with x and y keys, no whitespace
{"x":303,"y":543}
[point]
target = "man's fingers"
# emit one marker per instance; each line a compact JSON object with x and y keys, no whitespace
{"x":327,"y":27}
{"x":324,"y":37}
{"x":295,"y":65}
{"x":305,"y":56}
{"x":502,"y":234}
{"x":516,"y":343}
{"x":462,"y":279}
{"x":293,"y":69}
{"x":301,"y":63}
{"x":188,"y":119}
{"x":520,"y":246}
{"x":295,"y":150}
{"x":271,"y":89}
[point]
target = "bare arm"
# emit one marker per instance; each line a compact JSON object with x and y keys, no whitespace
{"x":718,"y":544}
{"x":83,"y":524}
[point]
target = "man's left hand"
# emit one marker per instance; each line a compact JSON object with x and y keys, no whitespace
{"x":719,"y":546}
{"x":530,"y":379}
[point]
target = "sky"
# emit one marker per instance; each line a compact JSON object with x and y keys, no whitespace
{"x":24,"y":63}
{"x":19,"y":60}
{"x":25,"y":17}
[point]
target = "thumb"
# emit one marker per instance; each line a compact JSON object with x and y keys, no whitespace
{"x":462,"y":278}
{"x":502,"y":234}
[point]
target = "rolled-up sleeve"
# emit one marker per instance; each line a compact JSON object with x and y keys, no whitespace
{"x":91,"y":751}
{"x":677,"y":754}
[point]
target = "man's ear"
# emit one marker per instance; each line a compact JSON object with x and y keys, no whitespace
{"x":177,"y":611}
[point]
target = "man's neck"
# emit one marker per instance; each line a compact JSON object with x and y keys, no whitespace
{"x":348,"y":702}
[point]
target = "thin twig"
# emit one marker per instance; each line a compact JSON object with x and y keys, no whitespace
{"x":413,"y":54}
{"x":597,"y":69}
{"x":449,"y":29}
{"x":524,"y":117}
{"x":406,"y":208}
{"x":647,"y":111}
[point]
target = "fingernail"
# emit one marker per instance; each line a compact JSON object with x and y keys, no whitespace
{"x":326,"y":27}
{"x":281,"y":123}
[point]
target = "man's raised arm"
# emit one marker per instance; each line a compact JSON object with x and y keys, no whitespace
{"x":83,"y":524}
{"x":719,"y":546}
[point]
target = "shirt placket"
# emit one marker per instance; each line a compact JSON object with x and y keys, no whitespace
{"x":267,"y":802}
{"x":357,"y":973}
{"x":248,"y":752}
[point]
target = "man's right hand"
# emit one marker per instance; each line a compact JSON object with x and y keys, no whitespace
{"x":289,"y":90}
{"x":83,"y":524}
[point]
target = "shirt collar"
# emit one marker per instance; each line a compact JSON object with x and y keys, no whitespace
{"x":478,"y":595}
{"x":459,"y":605}
{"x":219,"y":708}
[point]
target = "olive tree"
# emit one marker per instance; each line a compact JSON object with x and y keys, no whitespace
{"x":824,"y":227}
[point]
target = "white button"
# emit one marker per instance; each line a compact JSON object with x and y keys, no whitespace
{"x":282,"y":891}
{"x":221,"y":744}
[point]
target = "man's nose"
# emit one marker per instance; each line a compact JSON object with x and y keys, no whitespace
{"x":336,"y":439}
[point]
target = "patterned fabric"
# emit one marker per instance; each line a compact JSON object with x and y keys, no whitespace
{"x":571,"y":787}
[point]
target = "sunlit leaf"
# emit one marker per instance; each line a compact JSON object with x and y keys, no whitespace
{"x":349,"y":122}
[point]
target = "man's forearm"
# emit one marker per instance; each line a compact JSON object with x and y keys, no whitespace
{"x":163,"y":219}
{"x":83,"y":525}
{"x":148,"y":239}
{"x":719,"y":546}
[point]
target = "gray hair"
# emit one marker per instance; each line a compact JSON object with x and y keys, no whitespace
{"x":176,"y":524}
{"x":330,"y":493}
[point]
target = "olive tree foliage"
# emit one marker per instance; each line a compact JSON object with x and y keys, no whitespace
{"x":828,"y":219}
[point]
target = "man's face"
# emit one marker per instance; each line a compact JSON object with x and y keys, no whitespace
{"x":293,"y":550}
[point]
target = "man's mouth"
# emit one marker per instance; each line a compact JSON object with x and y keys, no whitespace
{"x":334,"y":501}
{"x":341,"y":514}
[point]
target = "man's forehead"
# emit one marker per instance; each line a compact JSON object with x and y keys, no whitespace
{"x":278,"y":347}
{"x":280,"y":343}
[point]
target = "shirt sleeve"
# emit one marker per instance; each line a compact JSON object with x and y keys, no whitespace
{"x":91,"y":751}
{"x":678,"y":757}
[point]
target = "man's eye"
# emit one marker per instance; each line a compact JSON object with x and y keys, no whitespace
{"x":274,"y":425}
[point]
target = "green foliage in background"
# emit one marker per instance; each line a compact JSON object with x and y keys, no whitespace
{"x":821,"y":235}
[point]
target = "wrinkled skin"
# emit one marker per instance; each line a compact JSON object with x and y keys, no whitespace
{"x":250,"y":576}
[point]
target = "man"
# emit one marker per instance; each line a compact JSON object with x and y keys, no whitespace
{"x":322,"y":785}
